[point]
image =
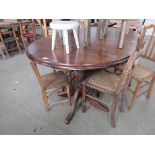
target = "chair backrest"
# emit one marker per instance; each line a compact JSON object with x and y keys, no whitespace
{"x":44,"y":25}
{"x":37,"y":73}
{"x":127,"y":72}
{"x":27,"y":27}
{"x":7,"y":34}
{"x":146,"y":42}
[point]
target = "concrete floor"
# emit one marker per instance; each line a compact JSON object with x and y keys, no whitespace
{"x":22,"y":110}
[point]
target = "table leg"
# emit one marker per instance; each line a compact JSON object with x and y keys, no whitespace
{"x":78,"y":78}
{"x":74,"y":105}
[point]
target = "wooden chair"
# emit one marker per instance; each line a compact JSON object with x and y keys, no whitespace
{"x":52,"y":81}
{"x":112,"y":84}
{"x":8,"y":38}
{"x":27,"y":31}
{"x":44,"y":25}
{"x":143,"y":75}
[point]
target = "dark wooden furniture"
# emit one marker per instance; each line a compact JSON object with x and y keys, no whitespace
{"x":109,"y":83}
{"x":143,"y":75}
{"x":99,"y":54}
{"x":27,"y":31}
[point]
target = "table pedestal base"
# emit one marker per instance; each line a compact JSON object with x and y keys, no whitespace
{"x":77,"y":93}
{"x":74,"y":105}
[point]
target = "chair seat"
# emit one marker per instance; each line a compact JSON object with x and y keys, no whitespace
{"x":27,"y":35}
{"x":54,"y":80}
{"x":104,"y":80}
{"x":142,"y":73}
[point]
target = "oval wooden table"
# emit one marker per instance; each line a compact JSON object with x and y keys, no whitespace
{"x":99,"y":54}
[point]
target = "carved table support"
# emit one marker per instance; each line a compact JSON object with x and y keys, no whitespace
{"x":78,"y":77}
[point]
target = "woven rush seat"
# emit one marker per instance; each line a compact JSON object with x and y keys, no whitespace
{"x":142,"y":73}
{"x":104,"y":80}
{"x":54,"y":80}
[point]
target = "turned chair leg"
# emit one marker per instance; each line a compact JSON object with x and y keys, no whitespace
{"x":135,"y":93}
{"x":150,"y":88}
{"x":84,"y":98}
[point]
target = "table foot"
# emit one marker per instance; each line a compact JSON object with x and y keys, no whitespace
{"x":74,"y":105}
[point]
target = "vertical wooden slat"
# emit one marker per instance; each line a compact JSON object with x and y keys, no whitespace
{"x":122,"y":36}
{"x":149,"y":43}
{"x":152,"y":48}
{"x":45,"y":28}
{"x":33,"y":29}
{"x":41,"y":26}
{"x":17,"y":43}
{"x":3,"y":43}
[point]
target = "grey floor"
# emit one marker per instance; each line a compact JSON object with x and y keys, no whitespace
{"x":22,"y":110}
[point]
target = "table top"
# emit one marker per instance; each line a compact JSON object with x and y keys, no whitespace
{"x":99,"y":53}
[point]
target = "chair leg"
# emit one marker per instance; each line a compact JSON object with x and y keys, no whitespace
{"x":150,"y":88}
{"x":84,"y":98}
{"x":135,"y":93}
{"x":6,"y":51}
{"x":113,"y":108}
{"x":45,"y":98}
{"x":3,"y":56}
